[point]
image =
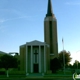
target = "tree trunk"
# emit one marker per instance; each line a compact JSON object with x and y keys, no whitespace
{"x":7,"y":73}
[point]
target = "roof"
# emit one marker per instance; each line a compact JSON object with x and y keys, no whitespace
{"x":35,"y":42}
{"x":1,"y":52}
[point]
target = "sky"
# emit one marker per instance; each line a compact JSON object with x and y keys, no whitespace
{"x":22,"y":21}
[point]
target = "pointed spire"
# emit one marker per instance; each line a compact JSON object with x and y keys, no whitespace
{"x":49,"y":11}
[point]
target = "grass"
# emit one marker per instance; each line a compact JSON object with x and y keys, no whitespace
{"x":21,"y":74}
{"x":66,"y":72}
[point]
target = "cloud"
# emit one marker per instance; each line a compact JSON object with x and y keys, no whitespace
{"x":4,"y":20}
{"x":17,"y":13}
{"x":75,"y":56}
{"x":14,"y":11}
{"x":72,"y":3}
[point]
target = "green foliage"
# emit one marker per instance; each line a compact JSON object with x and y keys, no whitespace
{"x":70,"y":66}
{"x":76,"y":65}
{"x":67,"y":57}
{"x":8,"y":61}
{"x":55,"y":65}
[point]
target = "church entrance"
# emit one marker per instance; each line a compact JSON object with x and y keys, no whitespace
{"x":36,"y":68}
{"x":36,"y":64}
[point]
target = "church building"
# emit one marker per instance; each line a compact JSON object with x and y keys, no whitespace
{"x":35,"y":56}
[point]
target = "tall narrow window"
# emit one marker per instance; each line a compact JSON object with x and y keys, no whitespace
{"x":51,"y":37}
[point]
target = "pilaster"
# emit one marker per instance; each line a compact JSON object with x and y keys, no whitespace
{"x":39,"y":58}
{"x":26,"y":59}
{"x":31,"y":59}
{"x":44,"y":60}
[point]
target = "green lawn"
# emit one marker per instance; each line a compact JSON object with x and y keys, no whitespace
{"x":22,"y":74}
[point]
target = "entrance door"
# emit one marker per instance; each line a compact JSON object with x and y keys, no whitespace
{"x":36,"y":68}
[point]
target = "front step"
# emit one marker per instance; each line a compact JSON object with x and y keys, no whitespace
{"x":35,"y":75}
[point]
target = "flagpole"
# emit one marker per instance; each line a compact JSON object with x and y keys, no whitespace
{"x":63,"y":55}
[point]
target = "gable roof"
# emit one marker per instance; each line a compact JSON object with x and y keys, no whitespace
{"x":35,"y":42}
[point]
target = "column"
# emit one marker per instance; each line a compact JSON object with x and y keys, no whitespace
{"x":26,"y":60}
{"x":31,"y":59}
{"x":44,"y":59}
{"x":39,"y":58}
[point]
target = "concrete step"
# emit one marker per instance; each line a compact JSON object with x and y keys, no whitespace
{"x":35,"y":75}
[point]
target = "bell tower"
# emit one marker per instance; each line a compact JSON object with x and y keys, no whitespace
{"x":50,"y":34}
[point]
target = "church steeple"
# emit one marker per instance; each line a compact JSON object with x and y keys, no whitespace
{"x":49,"y":10}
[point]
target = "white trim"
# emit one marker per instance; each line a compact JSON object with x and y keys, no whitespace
{"x":39,"y":58}
{"x":31,"y":60}
{"x":35,"y":42}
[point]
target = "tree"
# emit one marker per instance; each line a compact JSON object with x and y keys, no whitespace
{"x":18,"y":59}
{"x":55,"y":65}
{"x":7,"y":61}
{"x":67,"y":57}
{"x":70,"y":66}
{"x":79,"y":65}
{"x":76,"y":64}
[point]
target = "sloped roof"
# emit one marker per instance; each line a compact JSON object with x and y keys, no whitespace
{"x":35,"y":42}
{"x":1,"y":52}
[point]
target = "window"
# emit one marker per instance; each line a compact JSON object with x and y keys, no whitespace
{"x":35,"y":56}
{"x":51,"y":37}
